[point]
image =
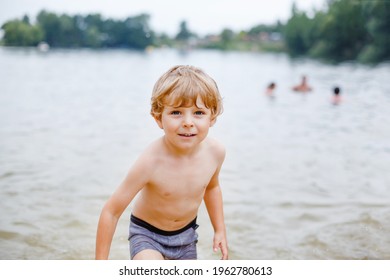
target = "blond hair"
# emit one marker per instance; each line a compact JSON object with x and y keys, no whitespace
{"x":181,"y":86}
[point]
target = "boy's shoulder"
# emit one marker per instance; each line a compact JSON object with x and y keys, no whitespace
{"x":153,"y":149}
{"x":215,"y":147}
{"x":214,"y":143}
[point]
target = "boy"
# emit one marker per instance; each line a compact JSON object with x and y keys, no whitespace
{"x":173,"y":174}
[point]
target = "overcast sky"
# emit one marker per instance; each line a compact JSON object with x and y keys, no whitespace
{"x":202,"y":16}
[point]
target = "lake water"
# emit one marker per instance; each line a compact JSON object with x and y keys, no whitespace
{"x":302,"y":179}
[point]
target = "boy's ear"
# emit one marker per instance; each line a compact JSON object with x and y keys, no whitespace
{"x":213,"y":121}
{"x":158,"y":121}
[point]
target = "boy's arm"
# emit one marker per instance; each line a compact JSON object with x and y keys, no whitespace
{"x":213,"y":201}
{"x":214,"y":205}
{"x":116,"y":204}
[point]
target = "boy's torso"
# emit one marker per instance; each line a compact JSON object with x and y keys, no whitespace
{"x":175,"y":189}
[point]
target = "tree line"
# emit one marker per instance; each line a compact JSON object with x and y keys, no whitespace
{"x":346,"y":30}
{"x":343,"y":30}
{"x":91,"y":31}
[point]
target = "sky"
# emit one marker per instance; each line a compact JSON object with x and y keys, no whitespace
{"x":202,"y":16}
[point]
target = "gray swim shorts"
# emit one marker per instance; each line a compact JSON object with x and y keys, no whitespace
{"x":173,"y":245}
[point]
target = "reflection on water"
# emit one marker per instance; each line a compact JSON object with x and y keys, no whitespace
{"x":303,"y":179}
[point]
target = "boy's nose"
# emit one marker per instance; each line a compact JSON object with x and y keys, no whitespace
{"x":188,"y":125}
{"x":187,"y":122}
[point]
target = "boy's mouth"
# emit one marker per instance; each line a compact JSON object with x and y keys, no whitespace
{"x":186,"y":134}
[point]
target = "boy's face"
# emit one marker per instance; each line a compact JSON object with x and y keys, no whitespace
{"x":186,"y":127}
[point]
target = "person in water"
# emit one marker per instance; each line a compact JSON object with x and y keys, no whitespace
{"x":270,"y":90}
{"x":336,"y":99}
{"x":303,"y":86}
{"x":173,"y":175}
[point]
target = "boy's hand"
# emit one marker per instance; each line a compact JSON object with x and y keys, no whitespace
{"x":220,"y":242}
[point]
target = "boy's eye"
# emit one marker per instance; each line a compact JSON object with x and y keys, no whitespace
{"x":175,"y":113}
{"x":199,"y":113}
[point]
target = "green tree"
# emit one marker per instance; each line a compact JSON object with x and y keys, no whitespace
{"x":297,"y":32}
{"x":26,"y":19}
{"x":343,"y":33}
{"x":71,"y":31}
{"x":184,"y":33}
{"x":92,"y":38}
{"x":346,"y":30}
{"x":92,"y":26}
{"x":227,"y":38}
{"x":51,"y":26}
{"x":134,"y":32}
{"x":377,"y":18}
{"x":139,"y":35}
{"x":21,"y":33}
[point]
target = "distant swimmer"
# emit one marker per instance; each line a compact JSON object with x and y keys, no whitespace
{"x":270,"y":90}
{"x":336,"y":99}
{"x":303,"y":87}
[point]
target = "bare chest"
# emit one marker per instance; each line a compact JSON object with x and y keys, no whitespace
{"x":181,"y":180}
